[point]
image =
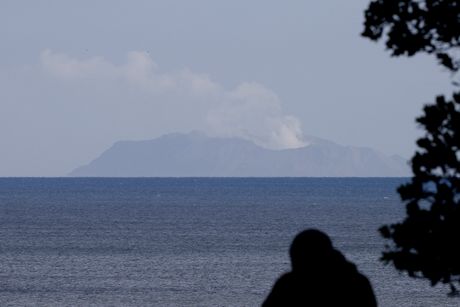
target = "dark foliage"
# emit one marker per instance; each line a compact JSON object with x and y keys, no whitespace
{"x":412,"y":26}
{"x":427,"y":242}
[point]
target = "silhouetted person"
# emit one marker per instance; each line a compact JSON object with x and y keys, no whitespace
{"x":320,"y":276}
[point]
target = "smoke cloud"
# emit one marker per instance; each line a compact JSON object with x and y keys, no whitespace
{"x":250,"y":110}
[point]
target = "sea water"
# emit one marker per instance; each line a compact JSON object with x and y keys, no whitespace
{"x":187,"y":241}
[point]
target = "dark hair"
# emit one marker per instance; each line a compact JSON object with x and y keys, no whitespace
{"x":309,"y":246}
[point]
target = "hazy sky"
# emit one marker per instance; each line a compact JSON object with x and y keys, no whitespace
{"x":76,"y":76}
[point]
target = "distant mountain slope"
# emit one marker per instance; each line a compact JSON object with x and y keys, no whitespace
{"x":197,"y":155}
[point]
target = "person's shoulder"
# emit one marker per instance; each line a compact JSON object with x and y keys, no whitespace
{"x":366,"y":293}
{"x":280,"y":291}
{"x":285,"y":277}
{"x":284,"y":280}
{"x":362,"y":280}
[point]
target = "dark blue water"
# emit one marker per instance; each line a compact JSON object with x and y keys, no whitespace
{"x":186,"y":242}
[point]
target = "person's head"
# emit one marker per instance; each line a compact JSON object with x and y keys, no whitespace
{"x":309,"y":249}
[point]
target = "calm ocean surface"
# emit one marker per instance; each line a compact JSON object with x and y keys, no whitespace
{"x":186,"y":242}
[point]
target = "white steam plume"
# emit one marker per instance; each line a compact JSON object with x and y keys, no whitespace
{"x":249,"y":111}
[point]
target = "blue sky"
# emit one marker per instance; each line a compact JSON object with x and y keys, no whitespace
{"x":76,"y":76}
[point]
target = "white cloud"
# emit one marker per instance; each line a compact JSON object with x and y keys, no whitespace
{"x":249,"y":111}
{"x":252,"y":111}
{"x":63,"y":65}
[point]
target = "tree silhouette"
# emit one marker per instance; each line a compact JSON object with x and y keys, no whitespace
{"x":413,"y":26}
{"x":426,"y":243}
